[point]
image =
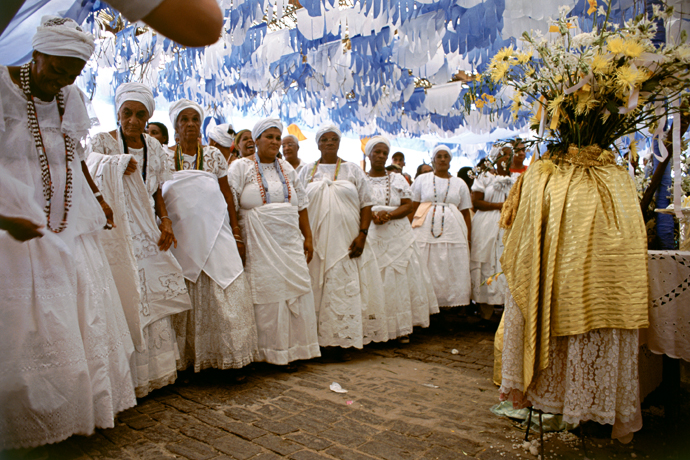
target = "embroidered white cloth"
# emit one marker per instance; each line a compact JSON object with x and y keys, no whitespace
{"x":409,"y":294}
{"x":134,"y":91}
{"x":447,"y":257}
{"x":18,"y":200}
{"x":669,"y":306}
{"x":201,"y":224}
{"x":57,"y":36}
{"x":348,"y":293}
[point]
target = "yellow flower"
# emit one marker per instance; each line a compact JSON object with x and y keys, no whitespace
{"x":616,"y":45}
{"x":503,"y":54}
{"x":490,"y":98}
{"x":585,"y":102}
{"x":592,"y":6}
{"x":489,"y":280}
{"x":629,"y":76}
{"x":479,"y":103}
{"x":523,"y":58}
{"x":529,"y":72}
{"x":601,"y":64}
{"x":498,"y":71}
{"x":633,"y":49}
{"x":633,"y":151}
{"x":555,"y":104}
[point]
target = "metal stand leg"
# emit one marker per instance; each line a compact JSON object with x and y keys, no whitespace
{"x":582,"y":438}
{"x":529,"y":423}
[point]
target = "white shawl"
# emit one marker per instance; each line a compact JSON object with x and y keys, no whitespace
{"x":391,"y":240}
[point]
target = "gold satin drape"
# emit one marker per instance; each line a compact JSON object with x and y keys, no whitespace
{"x":575,"y":256}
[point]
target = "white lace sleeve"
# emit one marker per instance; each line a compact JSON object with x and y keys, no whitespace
{"x":162,"y":171}
{"x":296,"y":183}
{"x":465,"y":197}
{"x":236,"y":176}
{"x":481,"y":183}
{"x":366,"y":197}
{"x":402,"y":187}
{"x":219,"y":165}
{"x":417,"y":190}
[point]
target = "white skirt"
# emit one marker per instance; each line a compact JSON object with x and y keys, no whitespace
{"x":156,"y":365}
{"x":287,"y":333}
{"x":591,"y":376}
{"x":449,"y":267}
{"x":107,"y":341}
{"x":220,"y":330}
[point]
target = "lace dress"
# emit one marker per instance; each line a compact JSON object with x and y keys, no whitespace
{"x":442,"y":236}
{"x":64,"y":342}
{"x":409,"y":294}
{"x":487,"y":240}
{"x":220,"y":329}
{"x":158,"y":289}
{"x":276,"y":264}
{"x":348,"y":293}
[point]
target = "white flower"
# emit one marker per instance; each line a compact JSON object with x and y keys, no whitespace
{"x":582,"y":40}
{"x":564,"y":9}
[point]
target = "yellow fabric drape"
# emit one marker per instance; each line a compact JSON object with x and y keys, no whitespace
{"x":575,"y":256}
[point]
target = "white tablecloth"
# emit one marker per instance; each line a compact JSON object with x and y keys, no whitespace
{"x":669,"y":304}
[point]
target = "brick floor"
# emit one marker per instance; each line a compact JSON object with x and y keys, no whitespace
{"x":413,"y":401}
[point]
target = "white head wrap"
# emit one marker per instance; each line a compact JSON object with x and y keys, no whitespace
{"x":219,"y":133}
{"x":58,"y":36}
{"x":293,"y":137}
{"x":182,"y":104}
{"x":439,"y":148}
{"x":371,"y":143}
{"x":264,"y":124}
{"x":327,"y":129}
{"x":134,"y":91}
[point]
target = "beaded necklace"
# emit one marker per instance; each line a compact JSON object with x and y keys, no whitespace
{"x":24,"y":76}
{"x":179,"y":164}
{"x":388,"y":188}
{"x":263,"y":184}
{"x":126,"y":149}
{"x":443,"y":212}
{"x":316,"y":166}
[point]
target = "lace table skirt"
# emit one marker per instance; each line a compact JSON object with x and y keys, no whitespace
{"x":591,"y":376}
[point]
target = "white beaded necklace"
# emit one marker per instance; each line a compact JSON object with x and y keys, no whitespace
{"x":24,"y":76}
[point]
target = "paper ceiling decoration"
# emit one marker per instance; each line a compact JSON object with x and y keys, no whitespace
{"x":371,"y":67}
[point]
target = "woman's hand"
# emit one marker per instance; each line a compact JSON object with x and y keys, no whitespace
{"x":131,"y":167}
{"x":167,"y":238}
{"x":20,"y":229}
{"x":110,"y":224}
{"x":381,"y":217}
{"x":357,"y":246}
{"x":308,"y":249}
{"x":242,"y":250}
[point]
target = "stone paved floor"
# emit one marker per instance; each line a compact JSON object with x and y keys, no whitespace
{"x":413,"y":401}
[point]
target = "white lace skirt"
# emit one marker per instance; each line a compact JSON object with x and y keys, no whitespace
{"x":156,"y":365}
{"x":287,"y":333}
{"x":449,"y":267}
{"x":591,"y":376}
{"x":494,"y":293}
{"x":351,"y":312}
{"x":409,"y":294}
{"x":45,"y":388}
{"x":107,"y":341}
{"x":219,"y":331}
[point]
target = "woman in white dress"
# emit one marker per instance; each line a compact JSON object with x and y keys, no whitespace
{"x":441,"y":226}
{"x":64,"y":341}
{"x":345,"y":278}
{"x":489,"y":191}
{"x":219,"y":331}
{"x":275,"y":225}
{"x":130,"y":167}
{"x":409,"y":294}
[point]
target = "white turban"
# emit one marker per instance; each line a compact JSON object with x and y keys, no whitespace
{"x":265,"y":124}
{"x":134,"y":91}
{"x":182,"y":104}
{"x":293,"y":137}
{"x":439,"y":148}
{"x":219,"y":133}
{"x":373,"y":142}
{"x":58,"y":36}
{"x":327,"y":129}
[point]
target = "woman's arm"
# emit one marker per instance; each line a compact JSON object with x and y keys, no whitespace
{"x":305,"y":228}
{"x":94,"y":188}
{"x":481,"y":205}
{"x":167,"y":236}
{"x":197,"y":23}
{"x":20,"y":229}
{"x":234,"y":222}
{"x":468,"y":221}
{"x":357,"y":246}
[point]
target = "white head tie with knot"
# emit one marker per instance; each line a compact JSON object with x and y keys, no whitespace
{"x":182,"y":104}
{"x":58,"y":36}
{"x":265,"y":124}
{"x":439,"y":148}
{"x":219,"y":133}
{"x":134,"y":91}
{"x":327,"y":129}
{"x":291,"y":136}
{"x":373,"y":142}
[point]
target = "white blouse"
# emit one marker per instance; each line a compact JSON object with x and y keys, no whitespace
{"x":244,"y":180}
{"x":453,"y":190}
{"x":348,"y":171}
{"x":399,"y":189}
{"x":214,"y":161}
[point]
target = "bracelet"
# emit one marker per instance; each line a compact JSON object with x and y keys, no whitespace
{"x":97,"y":194}
{"x":166,"y":217}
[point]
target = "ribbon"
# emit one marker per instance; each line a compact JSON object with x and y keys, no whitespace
{"x":677,"y":177}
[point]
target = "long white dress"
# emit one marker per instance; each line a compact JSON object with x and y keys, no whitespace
{"x":276,"y":264}
{"x":409,"y":294}
{"x":444,"y":247}
{"x":348,"y":293}
{"x":149,"y":281}
{"x":487,"y":240}
{"x":220,"y":330}
{"x":64,"y":342}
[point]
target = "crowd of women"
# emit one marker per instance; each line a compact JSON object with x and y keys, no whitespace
{"x":129,"y":261}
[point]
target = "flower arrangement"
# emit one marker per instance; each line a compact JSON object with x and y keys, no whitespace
{"x":594,"y":87}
